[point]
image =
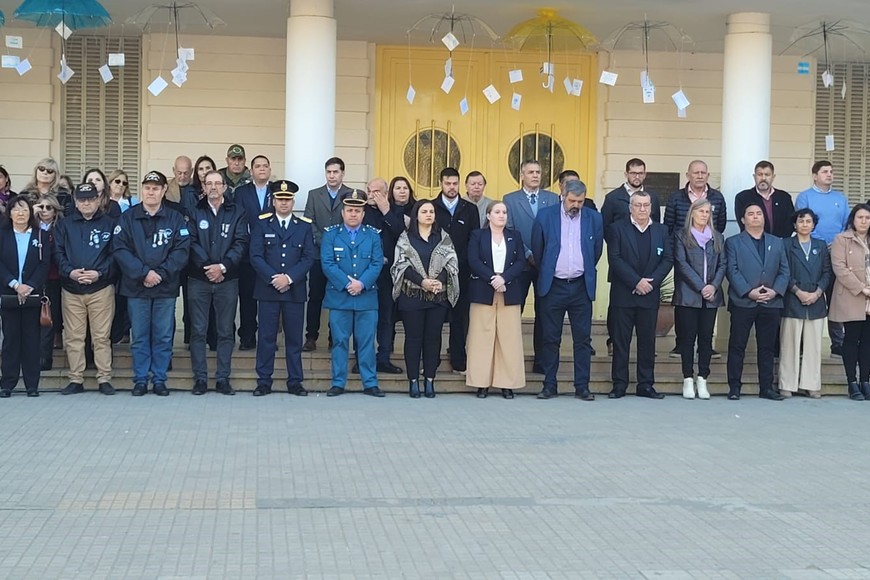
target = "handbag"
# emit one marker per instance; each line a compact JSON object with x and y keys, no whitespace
{"x":45,"y":312}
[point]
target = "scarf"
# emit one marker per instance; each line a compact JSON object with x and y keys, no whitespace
{"x":701,"y":238}
{"x":443,"y":258}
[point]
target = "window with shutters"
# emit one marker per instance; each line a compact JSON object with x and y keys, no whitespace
{"x":100,"y":125}
{"x":847,"y":120}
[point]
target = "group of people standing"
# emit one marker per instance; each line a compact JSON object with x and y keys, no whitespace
{"x":377,"y":256}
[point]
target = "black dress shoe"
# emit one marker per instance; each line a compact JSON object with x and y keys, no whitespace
{"x":865,"y":390}
{"x":547,"y":394}
{"x":429,"y":388}
{"x":507,"y":393}
{"x":297,"y":390}
{"x":733,"y":396}
{"x":584,"y":395}
{"x":224,"y":388}
{"x":200,"y":388}
{"x":770,"y":394}
{"x":334,"y":391}
{"x":32,"y":393}
{"x":72,"y":389}
{"x":262,"y":390}
{"x":310,"y":345}
{"x":374,"y":392}
{"x":389,"y":368}
{"x":106,"y":388}
{"x":160,"y":390}
{"x":140,"y":389}
{"x":247,"y":344}
{"x":649,"y":393}
{"x":482,"y":393}
{"x":5,"y":394}
{"x":616,"y":394}
{"x":355,"y":368}
{"x":538,"y":369}
{"x":414,"y":388}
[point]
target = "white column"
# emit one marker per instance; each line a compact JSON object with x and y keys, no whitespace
{"x":745,"y":102}
{"x":309,"y":124}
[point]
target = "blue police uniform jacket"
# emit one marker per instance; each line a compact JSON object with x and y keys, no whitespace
{"x":144,"y":242}
{"x":343,"y":259}
{"x":276,"y":251}
{"x":81,"y":243}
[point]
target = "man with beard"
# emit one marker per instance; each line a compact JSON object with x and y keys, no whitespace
{"x":777,"y":204}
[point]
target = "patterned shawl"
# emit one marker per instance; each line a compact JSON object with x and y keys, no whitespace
{"x":443,"y":258}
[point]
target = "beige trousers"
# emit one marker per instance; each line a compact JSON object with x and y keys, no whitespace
{"x":495,"y":346}
{"x":80,"y":310}
{"x":796,"y":372}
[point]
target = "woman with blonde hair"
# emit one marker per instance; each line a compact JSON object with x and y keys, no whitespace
{"x":119,"y":190}
{"x":46,"y":179}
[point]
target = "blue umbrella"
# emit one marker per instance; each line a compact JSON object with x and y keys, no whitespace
{"x":76,"y":14}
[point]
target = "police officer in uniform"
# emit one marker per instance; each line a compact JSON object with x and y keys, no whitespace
{"x":282,"y":253}
{"x":352,"y":257}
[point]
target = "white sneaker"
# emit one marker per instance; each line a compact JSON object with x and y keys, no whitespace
{"x":703,"y":393}
{"x":688,"y":388}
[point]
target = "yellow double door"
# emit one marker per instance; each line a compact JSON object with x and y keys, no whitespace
{"x":417,"y":139}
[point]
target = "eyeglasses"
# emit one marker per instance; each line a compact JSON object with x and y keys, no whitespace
{"x":46,"y":169}
{"x":119,"y":182}
{"x":43,"y":206}
{"x":636,"y":173}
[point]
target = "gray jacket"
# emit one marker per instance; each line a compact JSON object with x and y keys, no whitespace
{"x":689,"y":272}
{"x":808,"y":274}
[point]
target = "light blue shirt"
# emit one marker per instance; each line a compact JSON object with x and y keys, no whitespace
{"x":22,"y":241}
{"x":450,"y":205}
{"x":832,"y":207}
{"x":261,"y":194}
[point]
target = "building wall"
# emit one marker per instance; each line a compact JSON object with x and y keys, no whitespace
{"x":629,"y":128}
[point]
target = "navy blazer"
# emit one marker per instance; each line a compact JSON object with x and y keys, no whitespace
{"x":278,"y":251}
{"x":245,"y":196}
{"x":807,"y":274}
{"x":480,"y":264}
{"x":35,"y":269}
{"x":547,"y":240}
{"x":627,"y":268}
{"x":520,"y":216}
{"x":745,"y":270}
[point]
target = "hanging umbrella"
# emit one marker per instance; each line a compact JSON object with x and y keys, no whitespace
{"x":180,"y":15}
{"x":461,"y":25}
{"x":75,"y":14}
{"x":549,"y":31}
{"x":647,"y":36}
{"x":841,"y":39}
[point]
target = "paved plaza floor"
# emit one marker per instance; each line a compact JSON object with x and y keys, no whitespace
{"x":455,"y":487}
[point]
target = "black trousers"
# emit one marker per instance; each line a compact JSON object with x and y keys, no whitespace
{"x":21,"y":334}
{"x":386,"y":322}
{"x":766,"y":322}
{"x":247,"y":304}
{"x":528,"y":278}
{"x":695,"y":324}
{"x":856,"y":350}
{"x":566,"y":296}
{"x":642,"y":321}
{"x":423,"y":337}
{"x":459,"y":326}
{"x":46,"y":342}
{"x":316,"y":291}
{"x":121,"y":321}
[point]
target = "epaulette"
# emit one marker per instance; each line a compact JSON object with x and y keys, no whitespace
{"x":265,"y":216}
{"x":371,"y":228}
{"x":304,"y":219}
{"x":330,"y":228}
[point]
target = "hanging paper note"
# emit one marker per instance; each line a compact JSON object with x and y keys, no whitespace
{"x":23,"y":67}
{"x":829,"y":142}
{"x":157,"y":86}
{"x":186,"y":54}
{"x":516,"y":101}
{"x":608,"y":78}
{"x":548,"y":69}
{"x":681,"y":113}
{"x":463,"y":105}
{"x":450,"y":41}
{"x":14,"y":42}
{"x":447,"y":84}
{"x":66,"y":73}
{"x":803,"y":68}
{"x":448,"y":67}
{"x":179,"y":77}
{"x":827,"y":79}
{"x":577,"y":87}
{"x":569,"y":85}
{"x":680,"y":99}
{"x":181,"y":65}
{"x":649,"y":94}
{"x":843,"y":91}
{"x":491,"y":94}
{"x":644,"y":79}
{"x":411,"y":94}
{"x":516,"y":75}
{"x":117,"y":59}
{"x":11,"y":60}
{"x":106,"y":73}
{"x":63,"y":30}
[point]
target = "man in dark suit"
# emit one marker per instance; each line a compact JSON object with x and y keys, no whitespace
{"x":567,"y":241}
{"x":777,"y":204}
{"x":282,"y":252}
{"x":640,"y":254}
{"x":323,"y":209}
{"x":571,"y":175}
{"x":458,"y":217}
{"x":757,"y":270}
{"x":615,"y":208}
{"x":523,"y":206}
{"x":255,"y":199}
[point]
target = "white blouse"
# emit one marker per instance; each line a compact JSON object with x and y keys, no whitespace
{"x":499,"y":254}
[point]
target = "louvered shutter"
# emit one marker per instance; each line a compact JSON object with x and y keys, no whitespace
{"x":846,"y":119}
{"x":101,"y":121}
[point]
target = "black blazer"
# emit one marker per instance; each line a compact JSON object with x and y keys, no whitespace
{"x":783,"y":209}
{"x":808,"y":275}
{"x":35,"y":268}
{"x":626,"y":267}
{"x":480,"y":264}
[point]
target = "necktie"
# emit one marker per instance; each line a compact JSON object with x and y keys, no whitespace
{"x":533,"y":200}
